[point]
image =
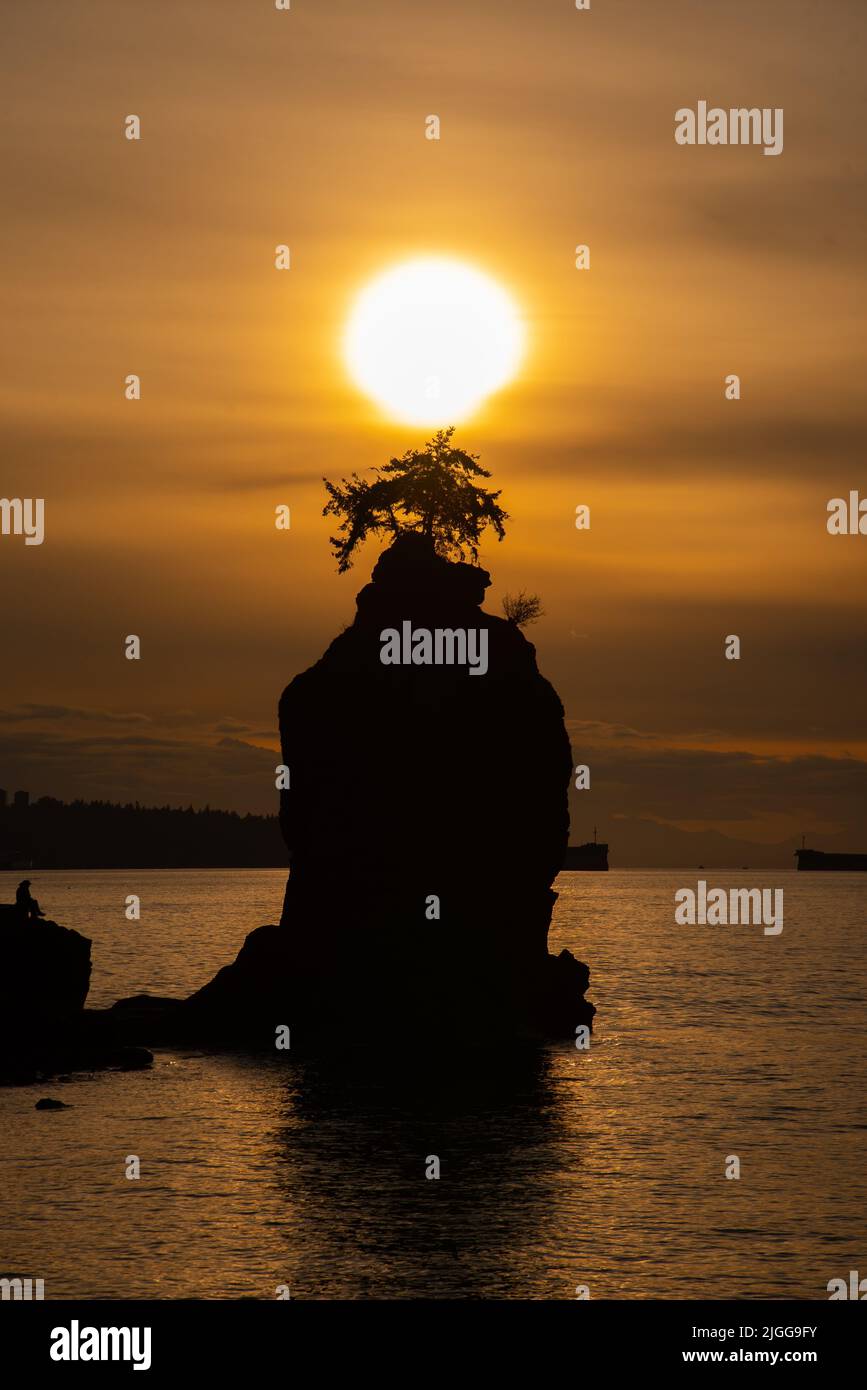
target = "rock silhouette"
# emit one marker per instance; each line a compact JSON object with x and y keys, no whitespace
{"x":45,"y":972}
{"x":426,"y":819}
{"x":44,"y":1026}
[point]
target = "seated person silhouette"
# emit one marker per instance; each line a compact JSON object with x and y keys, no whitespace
{"x":27,"y":905}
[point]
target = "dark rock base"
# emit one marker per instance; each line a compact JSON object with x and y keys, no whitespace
{"x":384,"y":993}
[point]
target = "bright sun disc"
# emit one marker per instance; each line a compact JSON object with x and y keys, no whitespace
{"x":429,"y":340}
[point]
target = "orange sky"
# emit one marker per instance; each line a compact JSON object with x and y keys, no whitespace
{"x":307,"y":127}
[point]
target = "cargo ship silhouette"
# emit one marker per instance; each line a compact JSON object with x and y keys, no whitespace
{"x":593,"y":856}
{"x":818,"y":859}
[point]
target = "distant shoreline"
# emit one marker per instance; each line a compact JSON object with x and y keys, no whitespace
{"x":687,"y":870}
{"x":88,"y":836}
{"x":36,"y":868}
{"x":50,"y":834}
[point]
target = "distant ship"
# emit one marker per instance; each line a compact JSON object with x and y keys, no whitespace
{"x":589,"y":856}
{"x":818,"y":859}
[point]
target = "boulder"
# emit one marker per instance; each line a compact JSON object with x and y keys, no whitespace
{"x":45,"y":1029}
{"x":44,"y":973}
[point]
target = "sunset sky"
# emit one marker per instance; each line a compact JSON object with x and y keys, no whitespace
{"x":307,"y":127}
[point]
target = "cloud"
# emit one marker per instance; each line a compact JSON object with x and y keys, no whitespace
{"x":50,"y":713}
{"x":596,"y":732}
{"x":229,"y":774}
{"x":765,"y":218}
{"x":717,"y":788}
{"x":757,"y":445}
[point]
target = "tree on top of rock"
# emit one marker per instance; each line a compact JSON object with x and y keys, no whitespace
{"x":430,"y":491}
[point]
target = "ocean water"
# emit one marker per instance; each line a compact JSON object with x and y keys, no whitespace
{"x":563,"y":1168}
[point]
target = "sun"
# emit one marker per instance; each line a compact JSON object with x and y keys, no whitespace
{"x":431,"y":339}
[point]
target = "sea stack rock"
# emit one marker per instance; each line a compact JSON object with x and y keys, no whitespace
{"x":426,"y":819}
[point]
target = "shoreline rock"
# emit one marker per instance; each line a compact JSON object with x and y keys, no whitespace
{"x":45,"y":1030}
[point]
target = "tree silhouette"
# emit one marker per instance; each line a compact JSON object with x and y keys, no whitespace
{"x":430,"y":491}
{"x":522,"y":608}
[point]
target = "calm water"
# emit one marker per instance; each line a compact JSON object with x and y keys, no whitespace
{"x":602,"y":1168}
